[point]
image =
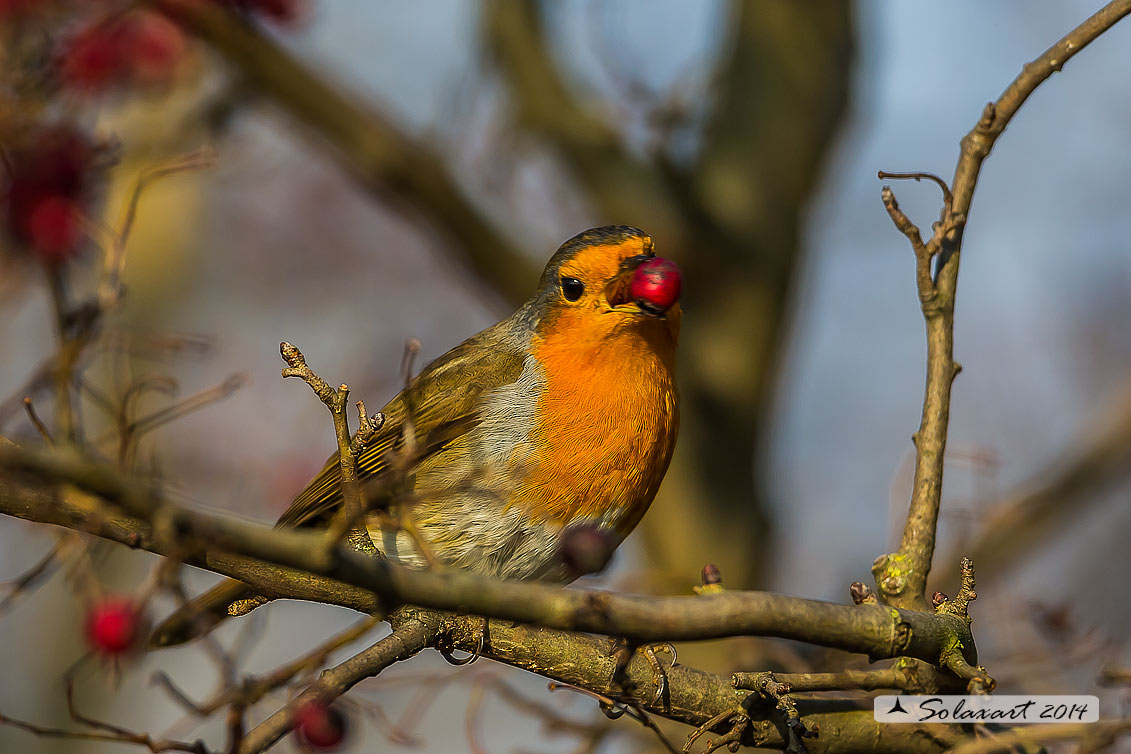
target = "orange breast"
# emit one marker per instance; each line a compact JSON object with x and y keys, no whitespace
{"x":606,"y":422}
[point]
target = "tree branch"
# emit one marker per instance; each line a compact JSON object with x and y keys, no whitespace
{"x":623,"y":188}
{"x":410,"y":635}
{"x":379,"y":154}
{"x":694,"y":696}
{"x":869,"y":629}
{"x":902,"y":576}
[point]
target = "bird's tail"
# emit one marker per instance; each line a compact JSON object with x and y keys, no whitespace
{"x":203,"y":613}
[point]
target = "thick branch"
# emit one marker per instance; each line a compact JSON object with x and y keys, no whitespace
{"x":694,"y":696}
{"x":868,"y":629}
{"x":384,"y":159}
{"x":623,"y":188}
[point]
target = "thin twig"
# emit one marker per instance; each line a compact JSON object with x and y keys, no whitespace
{"x":353,"y":507}
{"x":110,"y":287}
{"x":407,"y":639}
{"x":193,"y":403}
{"x":864,"y":680}
{"x":23,"y":583}
{"x":948,"y":198}
{"x":36,"y":422}
{"x":613,"y":708}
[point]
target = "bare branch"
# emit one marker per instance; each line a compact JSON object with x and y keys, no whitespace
{"x":110,"y":286}
{"x":381,"y":156}
{"x":948,"y":197}
{"x":26,"y":582}
{"x":977,"y":144}
{"x":36,"y":422}
{"x":353,"y":507}
{"x":696,"y":697}
{"x":895,"y":677}
{"x":923,"y":255}
{"x":570,"y":658}
{"x":869,"y":629}
{"x":408,"y":637}
{"x":902,"y":576}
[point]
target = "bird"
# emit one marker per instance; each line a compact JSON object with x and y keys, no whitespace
{"x":563,"y":415}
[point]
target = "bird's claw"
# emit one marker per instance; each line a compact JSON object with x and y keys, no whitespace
{"x":623,"y":652}
{"x":480,"y":642}
{"x":659,"y":675}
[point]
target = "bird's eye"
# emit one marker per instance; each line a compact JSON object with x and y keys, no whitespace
{"x":572,"y":288}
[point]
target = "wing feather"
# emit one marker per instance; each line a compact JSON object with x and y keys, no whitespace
{"x":444,"y":402}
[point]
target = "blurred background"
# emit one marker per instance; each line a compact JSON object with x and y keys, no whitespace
{"x":415,"y":186}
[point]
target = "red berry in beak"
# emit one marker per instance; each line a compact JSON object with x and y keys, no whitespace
{"x":114,"y":626}
{"x":319,"y":727}
{"x":655,"y":285}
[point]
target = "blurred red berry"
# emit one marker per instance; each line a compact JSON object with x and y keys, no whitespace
{"x":93,"y":58}
{"x":141,"y":46}
{"x":114,"y":626}
{"x":155,"y":45}
{"x":53,"y":227}
{"x":320,"y":727}
{"x":46,"y":189}
{"x":656,"y":284}
{"x":586,"y":548}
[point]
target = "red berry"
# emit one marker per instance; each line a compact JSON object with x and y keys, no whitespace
{"x":154,"y":45}
{"x":113,"y":626}
{"x":586,"y":548}
{"x":53,"y":227}
{"x":319,"y":726}
{"x":47,"y":186}
{"x":656,"y":284}
{"x":140,"y":46}
{"x":93,"y":58}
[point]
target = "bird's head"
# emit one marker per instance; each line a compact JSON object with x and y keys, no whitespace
{"x":606,"y":282}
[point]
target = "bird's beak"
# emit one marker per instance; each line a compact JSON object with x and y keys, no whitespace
{"x":617,"y":289}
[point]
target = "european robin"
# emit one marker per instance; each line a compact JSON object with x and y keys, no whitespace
{"x":563,"y":415}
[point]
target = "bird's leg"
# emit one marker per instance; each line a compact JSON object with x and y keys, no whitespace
{"x":623,"y":652}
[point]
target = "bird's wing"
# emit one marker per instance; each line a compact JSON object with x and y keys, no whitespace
{"x":443,"y":403}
